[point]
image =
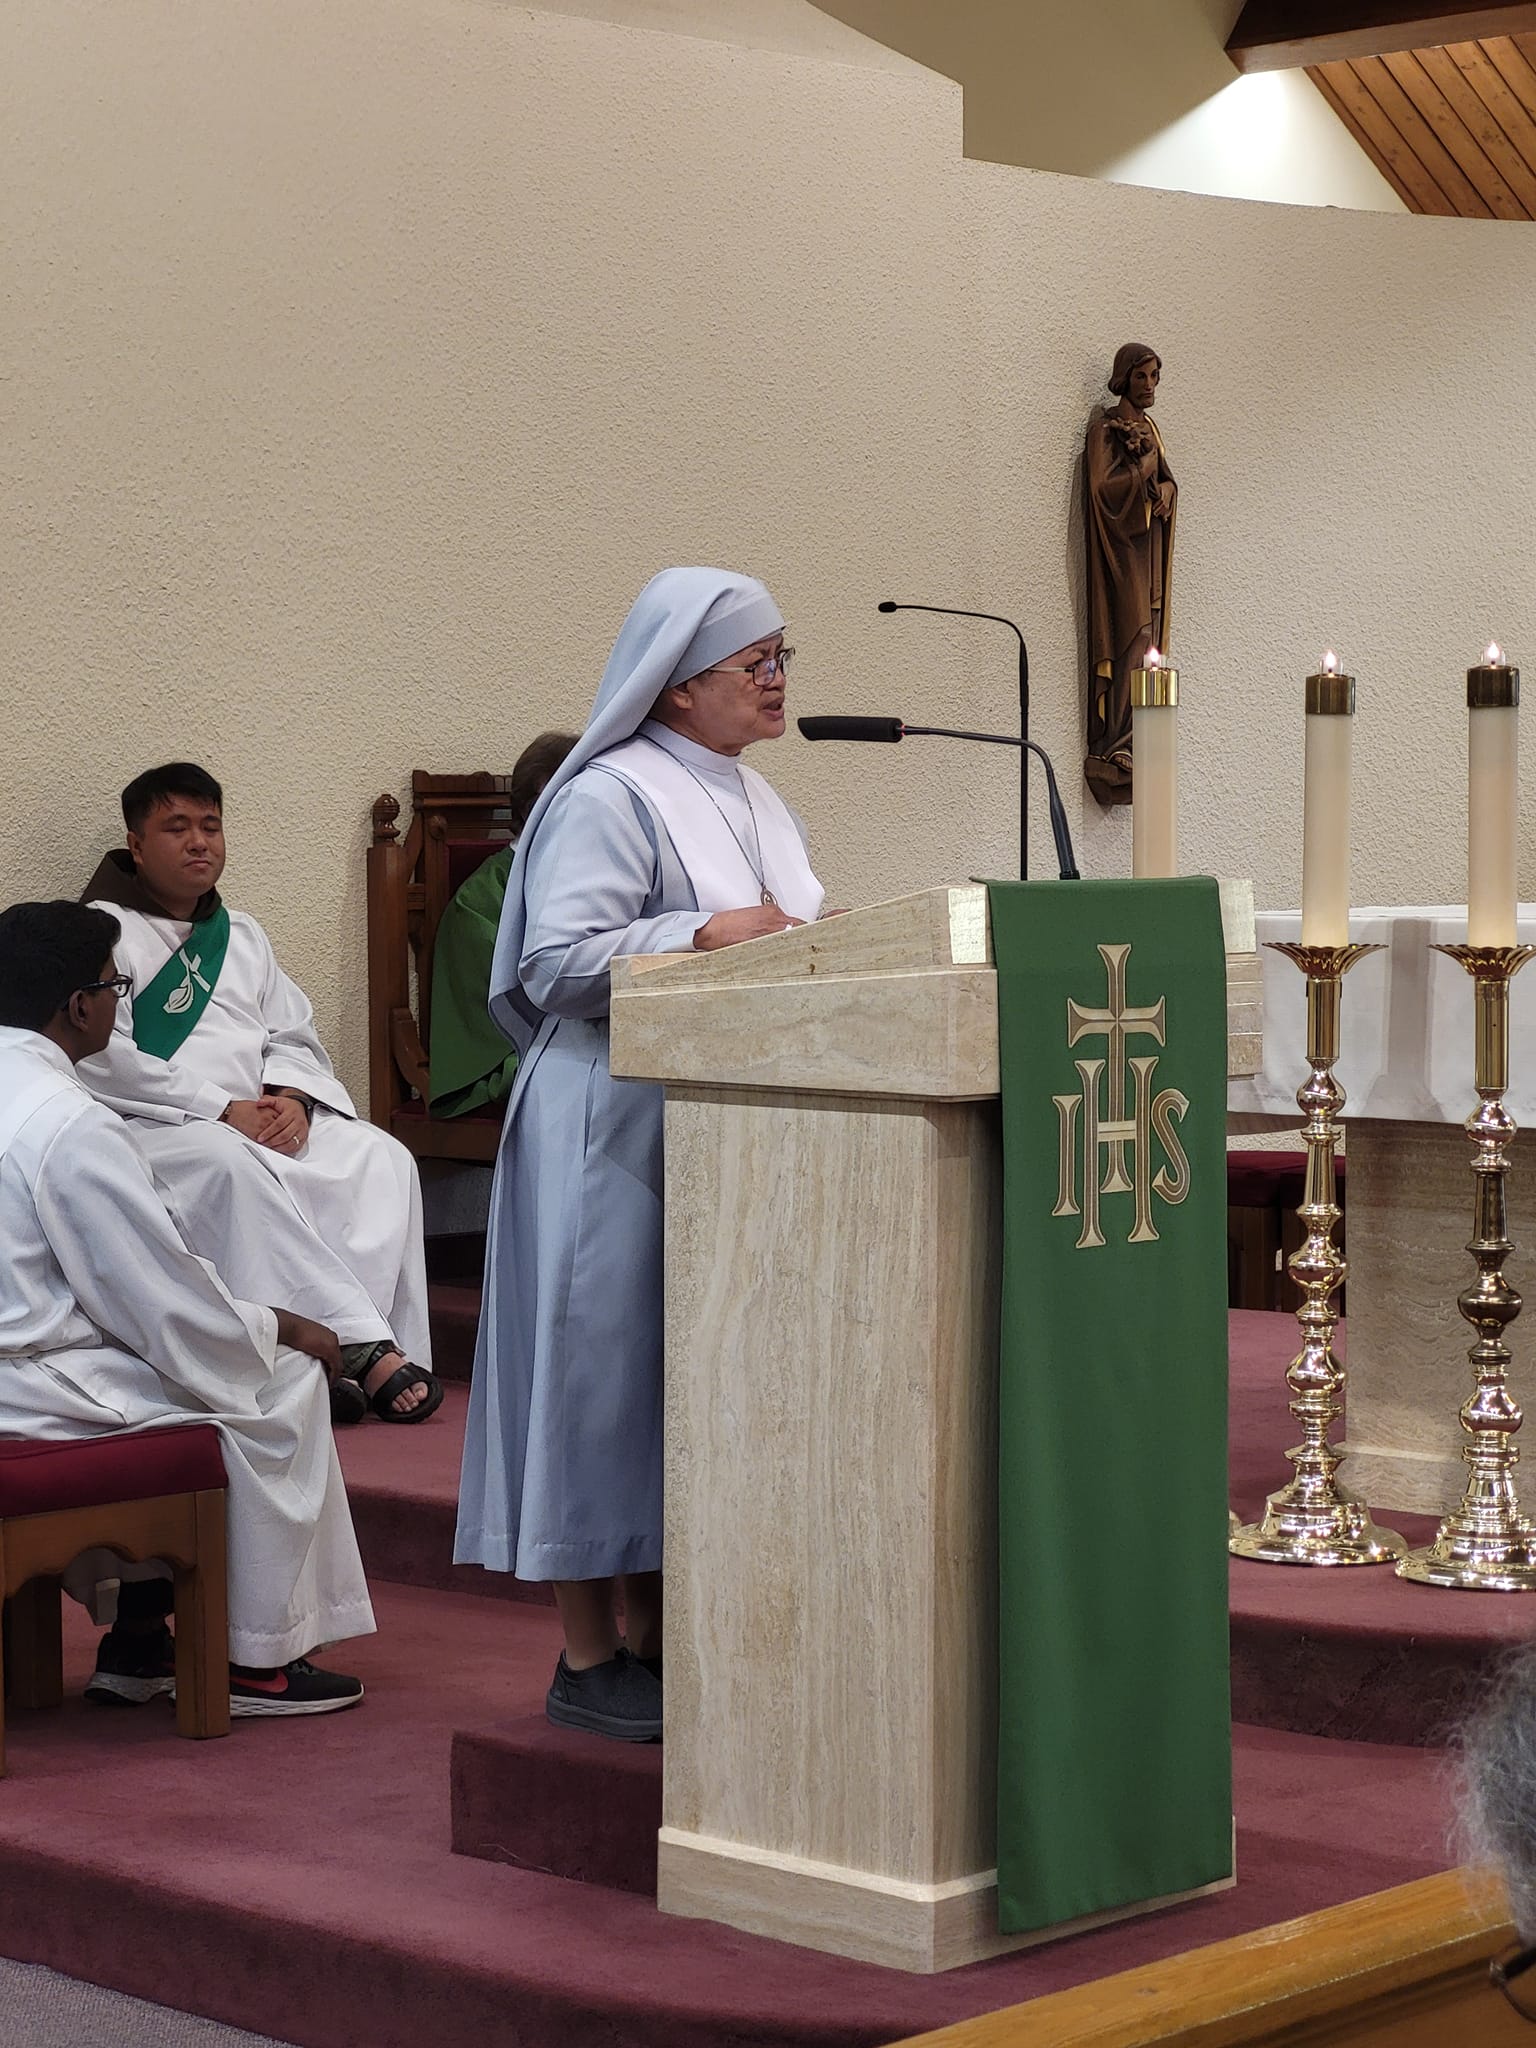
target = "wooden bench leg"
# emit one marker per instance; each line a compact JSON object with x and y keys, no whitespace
{"x":202,"y":1626}
{"x":35,"y":1651}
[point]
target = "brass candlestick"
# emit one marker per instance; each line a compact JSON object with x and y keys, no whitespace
{"x":1487,"y":1545}
{"x":1311,"y":1521}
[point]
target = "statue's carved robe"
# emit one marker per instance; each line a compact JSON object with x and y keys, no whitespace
{"x":1130,"y":562}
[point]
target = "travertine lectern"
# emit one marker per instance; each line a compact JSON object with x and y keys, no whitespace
{"x":833,"y":1237}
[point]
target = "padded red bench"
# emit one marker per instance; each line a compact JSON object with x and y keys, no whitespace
{"x":154,"y":1493}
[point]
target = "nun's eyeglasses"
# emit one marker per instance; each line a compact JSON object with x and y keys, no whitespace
{"x":1510,"y":1973}
{"x":762,"y":672}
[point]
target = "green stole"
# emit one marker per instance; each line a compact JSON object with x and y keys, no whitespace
{"x":168,"y":1011}
{"x":472,"y":1065}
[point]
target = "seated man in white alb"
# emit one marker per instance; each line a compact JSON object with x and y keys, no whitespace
{"x":109,"y":1323}
{"x":254,"y":1144}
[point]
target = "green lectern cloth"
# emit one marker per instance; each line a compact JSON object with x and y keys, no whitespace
{"x":1114,"y":1742}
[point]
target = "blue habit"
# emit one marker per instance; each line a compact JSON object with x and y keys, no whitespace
{"x":562,"y":1474}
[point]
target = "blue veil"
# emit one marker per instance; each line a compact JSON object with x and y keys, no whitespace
{"x":683,"y":622}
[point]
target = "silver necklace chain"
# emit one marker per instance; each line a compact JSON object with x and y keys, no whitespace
{"x":759,"y":872}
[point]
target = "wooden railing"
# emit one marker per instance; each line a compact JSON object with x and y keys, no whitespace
{"x":1406,"y":1968}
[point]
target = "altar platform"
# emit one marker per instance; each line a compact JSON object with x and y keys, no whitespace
{"x":300,"y":1879}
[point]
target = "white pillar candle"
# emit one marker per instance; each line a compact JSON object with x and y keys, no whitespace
{"x":1330,"y":702}
{"x":1155,"y":753}
{"x":1493,"y":803}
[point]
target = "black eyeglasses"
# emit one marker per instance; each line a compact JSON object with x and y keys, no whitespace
{"x":1510,"y":1973}
{"x":120,"y":984}
{"x":762,"y":671}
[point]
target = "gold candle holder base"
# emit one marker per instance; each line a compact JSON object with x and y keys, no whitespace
{"x":1312,"y":1520}
{"x":1486,"y":1545}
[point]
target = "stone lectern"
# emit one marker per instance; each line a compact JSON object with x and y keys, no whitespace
{"x":833,"y":1252}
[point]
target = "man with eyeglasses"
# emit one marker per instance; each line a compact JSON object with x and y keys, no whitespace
{"x":233,"y":1099}
{"x":109,"y":1323}
{"x":651,"y":837}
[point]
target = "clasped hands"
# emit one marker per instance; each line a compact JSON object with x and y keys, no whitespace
{"x":280,"y":1121}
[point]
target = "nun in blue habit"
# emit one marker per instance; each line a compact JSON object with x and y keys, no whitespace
{"x":651,"y":837}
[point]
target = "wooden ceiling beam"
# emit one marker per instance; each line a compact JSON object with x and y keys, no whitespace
{"x":1283,"y":35}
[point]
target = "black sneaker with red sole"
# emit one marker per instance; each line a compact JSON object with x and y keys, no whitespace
{"x":298,"y":1688}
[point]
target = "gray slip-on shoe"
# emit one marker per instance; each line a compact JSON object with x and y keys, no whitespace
{"x":618,"y":1698}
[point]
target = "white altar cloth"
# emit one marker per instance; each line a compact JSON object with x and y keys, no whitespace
{"x":1407,"y":1022}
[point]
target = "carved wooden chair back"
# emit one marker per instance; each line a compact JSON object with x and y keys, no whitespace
{"x":456,"y":822}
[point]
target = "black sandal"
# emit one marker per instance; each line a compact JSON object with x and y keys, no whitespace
{"x":348,"y":1401}
{"x":400,"y":1381}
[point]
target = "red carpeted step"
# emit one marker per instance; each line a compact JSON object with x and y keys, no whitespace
{"x":296,"y":1877}
{"x":453,"y":1309}
{"x":1350,"y":1653}
{"x":457,"y":1256}
{"x":403,"y":1484}
{"x":552,"y":1800}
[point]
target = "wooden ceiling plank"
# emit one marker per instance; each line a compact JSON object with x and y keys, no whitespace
{"x":1514,"y":57}
{"x":1390,"y":155}
{"x":1400,"y":84}
{"x":1382,"y":140}
{"x":1486,"y":131}
{"x":1506,"y":82}
{"x":1511,"y":99}
{"x":1284,"y":35}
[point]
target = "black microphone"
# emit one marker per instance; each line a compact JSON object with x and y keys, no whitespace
{"x":886,"y":729}
{"x":950,"y":611}
{"x":851,"y":728}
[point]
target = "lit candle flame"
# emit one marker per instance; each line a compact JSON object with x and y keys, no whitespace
{"x":1493,"y":655}
{"x":1330,"y":663}
{"x":1153,"y":659}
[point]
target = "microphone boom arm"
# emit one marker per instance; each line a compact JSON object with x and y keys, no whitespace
{"x":889,"y":604}
{"x":1060,"y":831}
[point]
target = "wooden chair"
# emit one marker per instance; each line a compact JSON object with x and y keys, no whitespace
{"x":157,"y":1493}
{"x":457,"y":821}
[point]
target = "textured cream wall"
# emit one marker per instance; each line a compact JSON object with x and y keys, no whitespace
{"x":360,"y":361}
{"x":1118,"y":89}
{"x":1267,"y":135}
{"x":795,"y":26}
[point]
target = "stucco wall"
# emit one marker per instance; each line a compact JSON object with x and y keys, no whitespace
{"x":361,"y":361}
{"x":1117,"y":89}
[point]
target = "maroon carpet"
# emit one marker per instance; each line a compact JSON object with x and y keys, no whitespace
{"x":298,"y":1877}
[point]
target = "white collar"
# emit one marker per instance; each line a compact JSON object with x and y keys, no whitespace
{"x":702,"y":760}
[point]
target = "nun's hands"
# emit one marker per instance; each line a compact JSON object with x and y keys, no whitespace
{"x":730,"y":927}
